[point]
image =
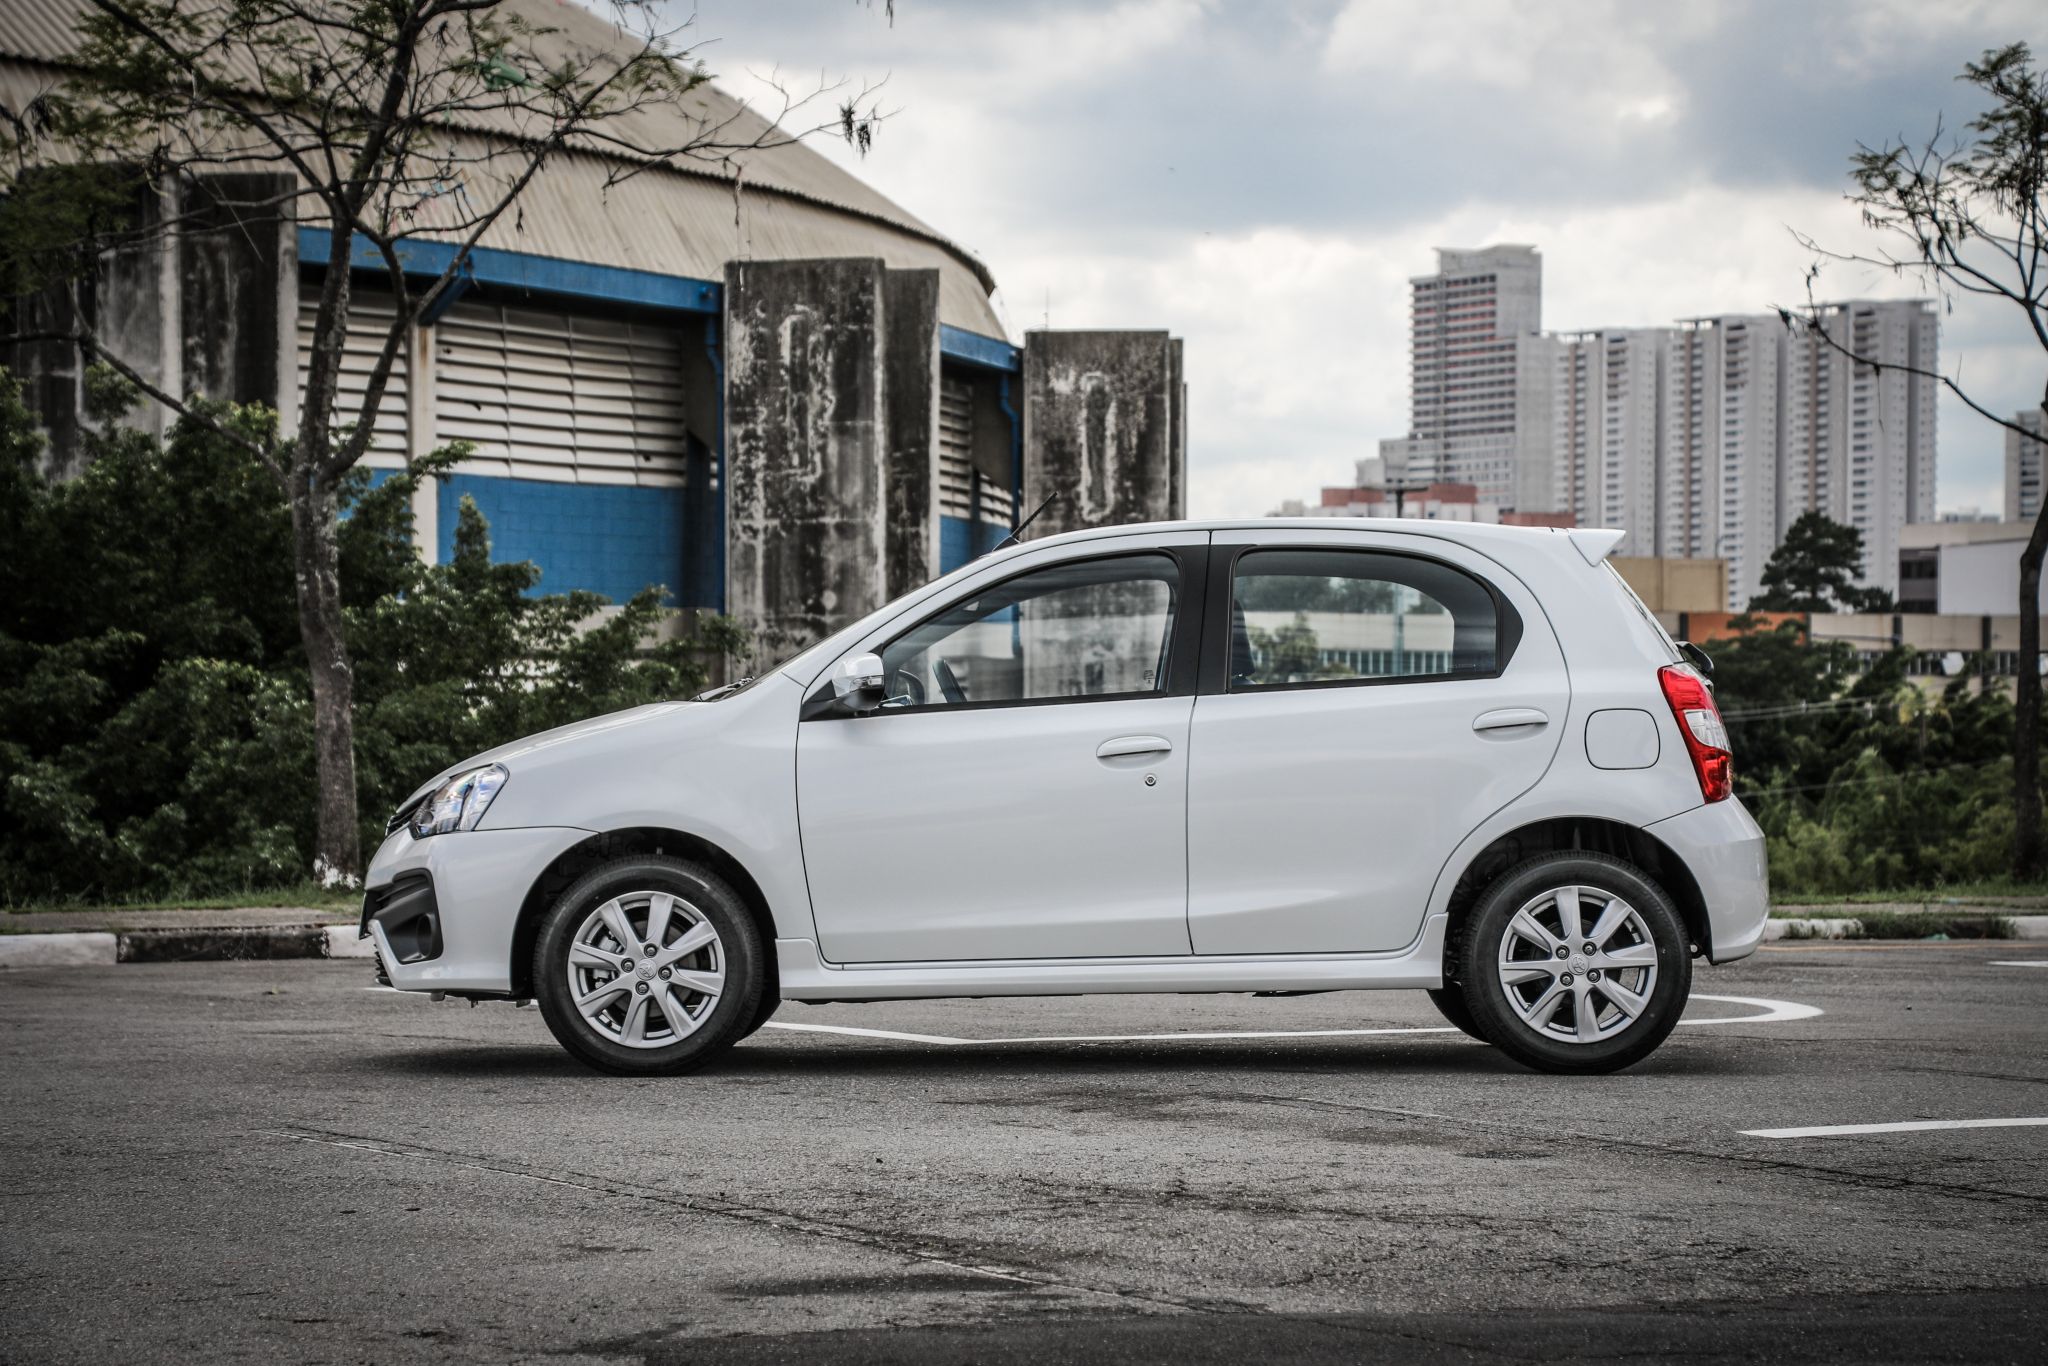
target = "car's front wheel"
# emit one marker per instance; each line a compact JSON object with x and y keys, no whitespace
{"x":648,"y":966}
{"x":1576,"y":962}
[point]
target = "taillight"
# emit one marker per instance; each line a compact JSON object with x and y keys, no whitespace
{"x":1699,"y":721}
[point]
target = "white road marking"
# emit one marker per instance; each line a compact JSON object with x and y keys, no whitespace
{"x":1905,"y":1127}
{"x":1224,"y":1034}
{"x":2020,"y":963}
{"x":1773,"y":1012}
{"x":868,"y":1033}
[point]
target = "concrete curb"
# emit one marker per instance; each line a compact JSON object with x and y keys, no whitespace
{"x":1848,"y":927}
{"x":97,"y":949}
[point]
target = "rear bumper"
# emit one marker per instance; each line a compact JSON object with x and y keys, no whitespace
{"x":478,"y":881}
{"x":1724,"y":848}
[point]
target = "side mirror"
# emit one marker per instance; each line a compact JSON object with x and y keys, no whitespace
{"x":857,"y":683}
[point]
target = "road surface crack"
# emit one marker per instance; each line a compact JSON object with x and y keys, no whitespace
{"x":930,"y":1251}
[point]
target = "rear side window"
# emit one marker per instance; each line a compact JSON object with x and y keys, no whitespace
{"x":1301,"y":617}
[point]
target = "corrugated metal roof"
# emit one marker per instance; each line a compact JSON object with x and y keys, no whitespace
{"x":677,"y":219}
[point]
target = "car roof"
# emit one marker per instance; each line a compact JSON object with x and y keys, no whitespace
{"x":1471,"y":533}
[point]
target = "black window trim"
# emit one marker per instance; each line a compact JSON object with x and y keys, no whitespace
{"x":1190,"y":620}
{"x":1215,"y":670}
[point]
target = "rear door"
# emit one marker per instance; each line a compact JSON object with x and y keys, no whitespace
{"x":1369,"y":700}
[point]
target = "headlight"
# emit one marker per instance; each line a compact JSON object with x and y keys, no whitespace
{"x":459,"y":803}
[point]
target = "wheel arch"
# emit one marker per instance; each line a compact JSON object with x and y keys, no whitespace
{"x":580,"y":858}
{"x":1596,"y":834}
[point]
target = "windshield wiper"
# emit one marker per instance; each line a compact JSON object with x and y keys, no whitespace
{"x":722,"y":690}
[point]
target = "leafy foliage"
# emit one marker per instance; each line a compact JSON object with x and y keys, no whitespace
{"x":155,"y":717}
{"x":1862,"y":781}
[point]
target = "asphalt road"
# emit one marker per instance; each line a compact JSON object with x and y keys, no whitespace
{"x":269,"y":1162}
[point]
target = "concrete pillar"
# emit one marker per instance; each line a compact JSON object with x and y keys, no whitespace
{"x":911,"y":354}
{"x":128,"y":301}
{"x":805,"y":448}
{"x":238,"y":288}
{"x":1105,"y":428}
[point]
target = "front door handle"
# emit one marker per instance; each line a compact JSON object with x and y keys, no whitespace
{"x":1510,"y":718}
{"x":1125,"y":745}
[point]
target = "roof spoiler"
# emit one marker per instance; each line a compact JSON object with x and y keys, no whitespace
{"x":1596,"y":543}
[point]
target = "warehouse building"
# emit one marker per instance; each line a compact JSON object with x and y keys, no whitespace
{"x":791,"y":417}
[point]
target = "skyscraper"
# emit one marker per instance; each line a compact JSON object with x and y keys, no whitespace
{"x":1859,"y":438}
{"x":1472,"y":336}
{"x":2023,"y":461}
{"x":1606,"y":413}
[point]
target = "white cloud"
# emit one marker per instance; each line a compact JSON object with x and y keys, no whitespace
{"x":1263,"y":180}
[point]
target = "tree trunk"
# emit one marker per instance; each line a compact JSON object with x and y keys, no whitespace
{"x":2027,"y":861}
{"x":337,"y":849}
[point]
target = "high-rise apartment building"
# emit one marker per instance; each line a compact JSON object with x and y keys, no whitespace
{"x":1859,"y":433}
{"x":1472,"y":335}
{"x":2023,"y":460}
{"x":1705,"y":440}
{"x":1722,"y":391}
{"x":1606,"y":416}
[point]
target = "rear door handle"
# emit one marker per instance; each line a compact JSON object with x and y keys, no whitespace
{"x":1133,"y":744}
{"x":1509,"y":718}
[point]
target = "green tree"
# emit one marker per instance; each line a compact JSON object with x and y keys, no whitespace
{"x":155,"y":712}
{"x":1967,"y":217}
{"x":371,"y":110}
{"x":1815,"y":569}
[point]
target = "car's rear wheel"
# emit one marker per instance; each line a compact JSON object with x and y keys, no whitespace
{"x":1576,"y":962}
{"x":648,"y":966}
{"x":1450,"y":1003}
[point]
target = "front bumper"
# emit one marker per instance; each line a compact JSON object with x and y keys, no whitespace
{"x":1724,"y":848}
{"x":476,"y":881}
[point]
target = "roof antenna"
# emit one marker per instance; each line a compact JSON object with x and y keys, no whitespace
{"x":1016,"y":534}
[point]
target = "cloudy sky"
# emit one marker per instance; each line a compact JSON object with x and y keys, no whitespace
{"x":1262,"y":178}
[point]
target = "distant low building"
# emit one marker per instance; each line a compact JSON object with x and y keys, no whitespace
{"x":1961,"y":568}
{"x":1666,"y":584}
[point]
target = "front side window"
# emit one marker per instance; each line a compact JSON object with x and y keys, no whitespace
{"x":1335,"y":616}
{"x":1097,"y":628}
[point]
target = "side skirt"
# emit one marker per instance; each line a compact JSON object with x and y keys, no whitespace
{"x":807,"y":977}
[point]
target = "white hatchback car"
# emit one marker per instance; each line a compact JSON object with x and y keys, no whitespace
{"x":1272,"y":756}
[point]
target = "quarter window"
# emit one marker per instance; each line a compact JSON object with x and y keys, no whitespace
{"x":1335,"y":616}
{"x":1097,"y":628}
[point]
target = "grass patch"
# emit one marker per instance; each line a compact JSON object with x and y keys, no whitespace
{"x":307,"y":894}
{"x":1993,"y":890}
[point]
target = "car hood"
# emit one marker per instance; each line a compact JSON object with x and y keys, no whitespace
{"x":596,"y":729}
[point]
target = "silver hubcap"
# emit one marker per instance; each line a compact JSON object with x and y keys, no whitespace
{"x":645,"y":969}
{"x":1577,"y":964}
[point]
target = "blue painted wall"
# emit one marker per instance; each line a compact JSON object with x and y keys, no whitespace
{"x":610,"y":540}
{"x":959,"y":541}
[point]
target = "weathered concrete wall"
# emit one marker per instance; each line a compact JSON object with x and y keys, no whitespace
{"x":1104,"y":428}
{"x":129,"y":304}
{"x":806,"y":466}
{"x":237,"y":287}
{"x":911,"y":355}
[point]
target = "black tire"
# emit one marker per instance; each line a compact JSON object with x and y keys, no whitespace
{"x":764,"y":1010}
{"x":1450,"y":1003}
{"x":706,"y":896}
{"x":1661,"y":927}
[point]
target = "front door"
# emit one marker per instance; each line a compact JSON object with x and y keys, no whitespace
{"x":1023,"y":792}
{"x":1377,"y":707}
